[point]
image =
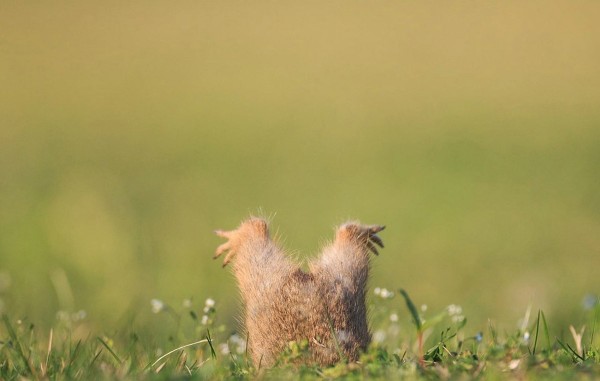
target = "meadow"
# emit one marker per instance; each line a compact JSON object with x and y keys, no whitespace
{"x":130,"y":131}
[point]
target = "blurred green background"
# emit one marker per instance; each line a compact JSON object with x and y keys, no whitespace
{"x":129,"y":131}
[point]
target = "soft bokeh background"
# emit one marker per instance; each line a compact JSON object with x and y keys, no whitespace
{"x":129,"y":131}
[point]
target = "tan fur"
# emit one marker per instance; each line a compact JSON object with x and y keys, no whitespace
{"x":325,"y":306}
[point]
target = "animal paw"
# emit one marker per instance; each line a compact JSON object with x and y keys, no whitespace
{"x":363,"y":234}
{"x":250,"y":230}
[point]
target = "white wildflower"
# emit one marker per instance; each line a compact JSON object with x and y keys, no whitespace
{"x":209,"y":303}
{"x":204,"y":320}
{"x":379,"y":336}
{"x":423,"y":307}
{"x":235,"y":338}
{"x":383,"y":293}
{"x":61,"y":316}
{"x":224,"y":349}
{"x":455,"y":313}
{"x":241,"y":348}
{"x":454,"y":309}
{"x":239,"y":342}
{"x":157,"y":305}
{"x":394,"y":318}
{"x":79,"y":315}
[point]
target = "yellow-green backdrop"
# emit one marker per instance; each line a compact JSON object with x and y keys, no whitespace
{"x":130,"y":130}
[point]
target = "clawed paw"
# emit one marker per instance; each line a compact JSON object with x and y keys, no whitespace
{"x":250,"y":229}
{"x":365,"y":234}
{"x":226,"y":247}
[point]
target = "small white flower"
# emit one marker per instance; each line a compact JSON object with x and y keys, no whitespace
{"x":377,"y":291}
{"x":204,"y":320}
{"x":79,"y":315}
{"x":210,"y":303}
{"x":61,"y":316}
{"x":157,"y":305}
{"x":526,"y":336}
{"x":239,"y":342}
{"x":423,"y":307}
{"x":454,"y":310}
{"x":394,"y":318}
{"x":386,"y":294}
{"x":379,"y":336}
{"x":224,"y":349}
{"x":241,"y":348}
{"x":455,"y":313}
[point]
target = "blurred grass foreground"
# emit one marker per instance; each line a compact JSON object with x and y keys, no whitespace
{"x":129,"y":131}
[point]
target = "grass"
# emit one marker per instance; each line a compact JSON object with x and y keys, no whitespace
{"x":413,"y":346}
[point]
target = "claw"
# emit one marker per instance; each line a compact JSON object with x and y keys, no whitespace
{"x":372,"y":248}
{"x":374,"y":229}
{"x":375,"y":238}
{"x":225,"y":247}
{"x":228,"y":258}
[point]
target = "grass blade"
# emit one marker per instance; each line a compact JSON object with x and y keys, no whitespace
{"x":17,"y":344}
{"x":45,"y":371}
{"x":213,"y":354}
{"x":546,"y":333}
{"x":73,"y":354}
{"x":110,"y":350}
{"x":175,"y":350}
{"x":596,"y":312}
{"x":568,"y":348}
{"x":413,"y":310}
{"x":95,"y":358}
{"x":537,"y":330}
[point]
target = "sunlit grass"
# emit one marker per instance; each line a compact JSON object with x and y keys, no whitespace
{"x":407,"y":342}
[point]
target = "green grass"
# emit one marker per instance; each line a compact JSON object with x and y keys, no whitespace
{"x":408,"y":344}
